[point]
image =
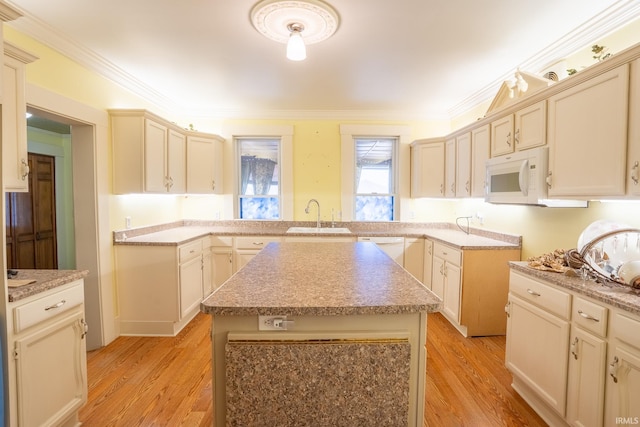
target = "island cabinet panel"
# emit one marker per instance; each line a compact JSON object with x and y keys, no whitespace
{"x":358,"y":381}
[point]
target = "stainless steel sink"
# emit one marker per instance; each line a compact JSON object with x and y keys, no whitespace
{"x":316,"y":230}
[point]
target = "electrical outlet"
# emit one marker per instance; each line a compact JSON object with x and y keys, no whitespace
{"x":272,"y":323}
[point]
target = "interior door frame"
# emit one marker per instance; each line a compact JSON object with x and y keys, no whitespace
{"x":91,"y":172}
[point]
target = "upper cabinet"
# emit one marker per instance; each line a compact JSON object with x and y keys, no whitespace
{"x":526,"y":128}
{"x":450,"y":168}
{"x":588,"y":137}
{"x":463,"y":165}
{"x":633,"y":152}
{"x":480,"y":152}
{"x":15,"y":164}
{"x":427,"y":168}
{"x":150,"y":155}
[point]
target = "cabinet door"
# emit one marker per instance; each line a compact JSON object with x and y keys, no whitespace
{"x":204,"y":165}
{"x":222,"y":265}
{"x":427,"y":170}
{"x":208,"y":285}
{"x":51,"y":372}
{"x":587,"y":137}
{"x":633,"y":155}
{"x":14,"y":127}
{"x":623,"y":385}
{"x":428,"y":262}
{"x":243,"y":256}
{"x":176,"y":162}
{"x":155,"y":155}
{"x":190,"y":286}
{"x":531,"y":126}
{"x":437,"y":277}
{"x":480,"y":151}
{"x":536,"y":351}
{"x":450,"y":168}
{"x":502,"y":136}
{"x":463,"y":165}
{"x":585,"y":393}
{"x":452,"y":291}
{"x":414,"y":256}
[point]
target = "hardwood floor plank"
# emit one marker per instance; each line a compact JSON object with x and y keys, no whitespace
{"x":159,"y":381}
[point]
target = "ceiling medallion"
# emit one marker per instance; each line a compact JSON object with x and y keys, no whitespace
{"x":273,"y":19}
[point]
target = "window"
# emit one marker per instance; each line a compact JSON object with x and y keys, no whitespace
{"x":375,"y":183}
{"x":259,"y":178}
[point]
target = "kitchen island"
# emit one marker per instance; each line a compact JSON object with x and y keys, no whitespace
{"x":320,"y":334}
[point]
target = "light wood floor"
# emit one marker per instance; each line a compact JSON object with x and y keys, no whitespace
{"x":140,"y":381}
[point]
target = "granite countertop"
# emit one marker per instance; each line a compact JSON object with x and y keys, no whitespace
{"x":185,"y":231}
{"x":44,"y":280}
{"x":621,"y":297}
{"x":317,"y":280}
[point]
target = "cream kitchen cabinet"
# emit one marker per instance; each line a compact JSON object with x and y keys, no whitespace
{"x":623,"y":379}
{"x":414,"y":256}
{"x":221,"y":260}
{"x":463,"y":165}
{"x":428,"y":263}
{"x":480,"y":153}
{"x":537,"y":343}
{"x":587,"y":136}
{"x":450,"y":159}
{"x":49,"y":352}
{"x":427,"y":168}
{"x":148,"y":153}
{"x":633,"y":151}
{"x":526,"y":128}
{"x":246,"y":247}
{"x":15,"y":163}
{"x":204,"y":164}
{"x":473,"y":285}
{"x":160,"y":287}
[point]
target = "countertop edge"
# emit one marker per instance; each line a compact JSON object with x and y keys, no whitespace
{"x":62,"y":277}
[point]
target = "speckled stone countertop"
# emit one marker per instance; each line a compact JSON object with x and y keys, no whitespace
{"x":329,"y":279}
{"x":617,"y":296}
{"x":181,"y":232}
{"x":44,"y":280}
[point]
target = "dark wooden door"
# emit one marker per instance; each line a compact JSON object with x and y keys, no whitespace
{"x":31,"y":219}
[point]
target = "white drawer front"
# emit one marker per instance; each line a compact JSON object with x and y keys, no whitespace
{"x":626,"y":328}
{"x":44,"y":308}
{"x":255,"y":242}
{"x":190,"y":250}
{"x":545,"y":296}
{"x":220,"y":241}
{"x":590,"y":316}
{"x":447,"y":253}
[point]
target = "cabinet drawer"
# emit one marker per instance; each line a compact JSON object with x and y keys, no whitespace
{"x":590,"y":316}
{"x":189,"y":251}
{"x":551,"y":299}
{"x":625,"y":328}
{"x":220,"y":241}
{"x":255,"y":242}
{"x":44,"y":308}
{"x":447,"y":253}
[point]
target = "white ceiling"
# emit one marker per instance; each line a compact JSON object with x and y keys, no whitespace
{"x":400,"y":58}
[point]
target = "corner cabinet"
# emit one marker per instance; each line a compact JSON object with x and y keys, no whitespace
{"x":428,"y":168}
{"x":49,"y":352}
{"x":15,"y":163}
{"x":204,"y":164}
{"x":587,"y":136}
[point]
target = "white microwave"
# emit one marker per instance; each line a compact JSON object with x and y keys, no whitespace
{"x":521,"y":178}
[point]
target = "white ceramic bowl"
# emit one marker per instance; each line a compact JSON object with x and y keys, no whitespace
{"x":629,"y":272}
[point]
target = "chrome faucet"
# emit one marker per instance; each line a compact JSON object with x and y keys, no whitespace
{"x":306,"y":210}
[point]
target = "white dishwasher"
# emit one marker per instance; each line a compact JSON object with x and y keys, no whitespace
{"x":393,"y":246}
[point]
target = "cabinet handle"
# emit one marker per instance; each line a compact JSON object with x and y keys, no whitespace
{"x":534,"y":293}
{"x":25,"y":169}
{"x":54,"y":306}
{"x":453,"y":187}
{"x":635,"y":174}
{"x":213,"y":184}
{"x":445,"y":271}
{"x":574,"y":348}
{"x":441,"y":188}
{"x":466,"y":186}
{"x":509,"y":139}
{"x":548,"y":179}
{"x":588,"y":316}
{"x":85,"y":328}
{"x":258,"y":243}
{"x":507,"y":308}
{"x":230,"y":257}
{"x":613,"y":369}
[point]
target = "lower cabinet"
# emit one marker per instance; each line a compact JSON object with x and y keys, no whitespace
{"x":49,"y":351}
{"x":567,"y":362}
{"x":246,"y":247}
{"x":414,"y":256}
{"x":221,"y":253}
{"x":428,"y":263}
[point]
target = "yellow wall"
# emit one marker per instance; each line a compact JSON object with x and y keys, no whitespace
{"x":316,"y":167}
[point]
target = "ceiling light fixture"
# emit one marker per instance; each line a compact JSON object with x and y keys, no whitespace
{"x":296,"y":50}
{"x":285,"y":21}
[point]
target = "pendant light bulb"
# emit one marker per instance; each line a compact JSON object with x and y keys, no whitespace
{"x":296,"y":50}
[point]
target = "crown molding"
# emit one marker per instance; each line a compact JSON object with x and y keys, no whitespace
{"x":617,"y":15}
